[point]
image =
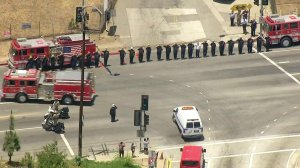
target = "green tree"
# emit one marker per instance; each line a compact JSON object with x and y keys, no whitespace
{"x":50,"y":157}
{"x":11,"y":139}
{"x":27,"y":161}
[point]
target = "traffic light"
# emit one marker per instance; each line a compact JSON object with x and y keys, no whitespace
{"x":256,"y":2}
{"x":144,"y":105}
{"x":78,"y":14}
{"x":146,"y":119}
{"x":265,"y":2}
{"x":137,"y":117}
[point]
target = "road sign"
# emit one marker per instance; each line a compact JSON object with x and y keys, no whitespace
{"x":26,"y":25}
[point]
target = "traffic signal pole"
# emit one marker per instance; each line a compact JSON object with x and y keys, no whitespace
{"x":261,"y":16}
{"x":82,"y":83}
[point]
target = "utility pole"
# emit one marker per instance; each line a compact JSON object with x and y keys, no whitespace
{"x":261,"y":16}
{"x":82,"y":82}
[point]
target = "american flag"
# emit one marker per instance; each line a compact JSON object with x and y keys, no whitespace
{"x":71,"y":50}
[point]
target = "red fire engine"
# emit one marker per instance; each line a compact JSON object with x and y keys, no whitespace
{"x":192,"y":157}
{"x":21,"y":49}
{"x":22,"y":85}
{"x":283,"y":30}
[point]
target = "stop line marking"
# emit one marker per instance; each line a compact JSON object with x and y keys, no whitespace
{"x":22,"y":129}
{"x":67,"y":144}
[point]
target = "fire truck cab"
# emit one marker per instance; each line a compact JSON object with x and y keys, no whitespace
{"x":22,"y":85}
{"x":283,"y":30}
{"x":22,"y":48}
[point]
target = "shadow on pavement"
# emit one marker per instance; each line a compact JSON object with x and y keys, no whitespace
{"x":224,"y":1}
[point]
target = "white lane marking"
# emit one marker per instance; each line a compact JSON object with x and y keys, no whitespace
{"x":22,"y":129}
{"x":275,"y":120}
{"x":284,"y":62}
{"x":267,"y":126}
{"x":200,"y":93}
{"x":295,"y":107}
{"x":208,"y":119}
{"x":131,"y":74}
{"x":206,"y":101}
{"x":209,"y":128}
{"x":288,"y":162}
{"x":150,"y":76}
{"x":171,"y":81}
{"x":262,"y":132}
{"x":294,"y":74}
{"x":284,"y":113}
{"x":188,"y":86}
{"x":279,"y":67}
{"x":6,"y":103}
{"x":230,"y":141}
{"x":208,"y":109}
{"x":251,"y":157}
{"x":67,"y":144}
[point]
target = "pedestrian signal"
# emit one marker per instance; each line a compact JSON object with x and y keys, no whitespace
{"x":256,"y":2}
{"x":137,"y":117}
{"x":265,"y":2}
{"x":145,"y":99}
{"x":146,"y":119}
{"x":78,"y":14}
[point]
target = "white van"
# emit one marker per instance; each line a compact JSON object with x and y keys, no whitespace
{"x":188,"y":121}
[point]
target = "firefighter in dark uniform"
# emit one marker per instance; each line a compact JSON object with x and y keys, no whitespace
{"x":240,"y":42}
{"x":182,"y":46}
{"x":73,"y":61}
{"x":230,"y":46}
{"x":213,"y":48}
{"x":205,"y":46}
{"x":259,"y":43}
{"x":159,"y":50}
{"x":148,"y":52}
{"x":175,"y":50}
{"x":97,"y":59}
{"x":267,"y":43}
{"x":61,"y":60}
{"x":190,"y":50}
{"x":131,"y":55}
{"x":79,"y":60}
{"x":30,"y":62}
{"x":249,"y":44}
{"x":141,"y":54}
{"x":38,"y":62}
{"x":105,"y":56}
{"x":222,"y":47}
{"x":52,"y":62}
{"x":45,"y":64}
{"x":122,"y":56}
{"x":168,"y":51}
{"x":88,"y":60}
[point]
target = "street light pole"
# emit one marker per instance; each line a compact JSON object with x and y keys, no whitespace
{"x":82,"y":83}
{"x":261,"y":16}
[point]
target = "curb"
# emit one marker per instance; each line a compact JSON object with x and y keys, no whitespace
{"x":3,"y":63}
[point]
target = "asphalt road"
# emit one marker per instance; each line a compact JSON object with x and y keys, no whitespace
{"x":248,"y":104}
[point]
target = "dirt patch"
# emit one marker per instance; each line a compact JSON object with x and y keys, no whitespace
{"x":285,"y":7}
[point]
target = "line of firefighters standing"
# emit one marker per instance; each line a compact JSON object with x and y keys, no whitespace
{"x":76,"y":60}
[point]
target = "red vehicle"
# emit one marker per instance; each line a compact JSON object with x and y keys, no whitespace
{"x":21,"y":49}
{"x":192,"y":157}
{"x":22,"y":85}
{"x":283,"y":30}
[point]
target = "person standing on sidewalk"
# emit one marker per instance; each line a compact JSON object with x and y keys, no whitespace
{"x":249,"y":44}
{"x":221,"y":47}
{"x":230,"y":47}
{"x":182,"y":47}
{"x":232,"y":17}
{"x":122,"y":56}
{"x":267,"y":43}
{"x":121,"y":149}
{"x":146,"y":145}
{"x":131,"y":55}
{"x":148,"y":52}
{"x":97,"y":59}
{"x":175,"y":50}
{"x":141,"y":54}
{"x":240,"y":42}
{"x":105,"y":56}
{"x":253,"y":27}
{"x":205,"y":46}
{"x":159,"y":50}
{"x":213,"y":48}
{"x":132,"y":149}
{"x":190,"y":50}
{"x":168,"y":51}
{"x":259,"y":43}
{"x":244,"y":24}
{"x":197,"y":47}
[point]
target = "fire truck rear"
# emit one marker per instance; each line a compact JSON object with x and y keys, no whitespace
{"x":21,"y":49}
{"x":22,"y":85}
